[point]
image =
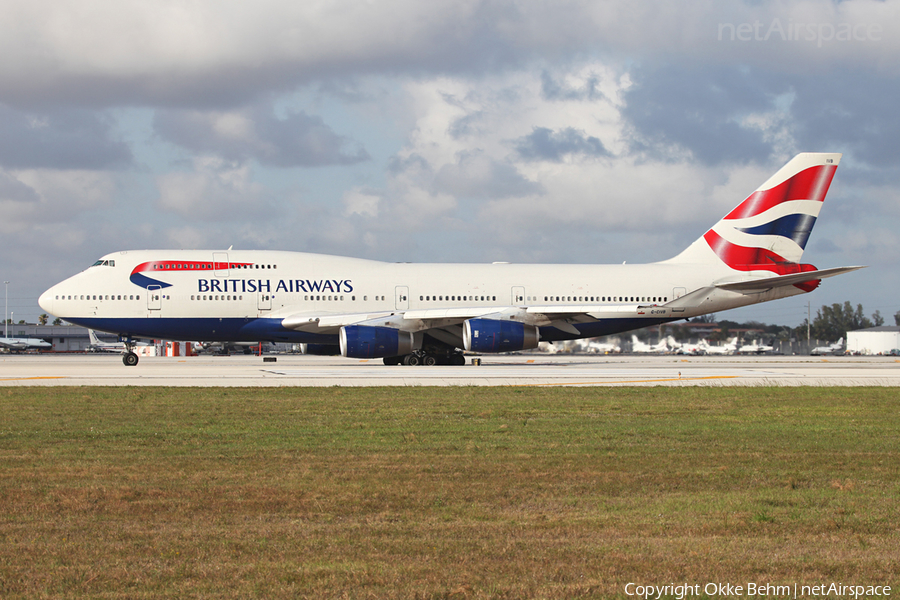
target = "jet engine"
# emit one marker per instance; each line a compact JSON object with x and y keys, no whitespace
{"x":363,"y":341}
{"x":320,"y":349}
{"x":491,"y":335}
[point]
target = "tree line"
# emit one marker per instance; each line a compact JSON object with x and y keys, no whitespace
{"x":830,"y":324}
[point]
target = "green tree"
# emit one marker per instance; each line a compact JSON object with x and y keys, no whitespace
{"x":57,"y":321}
{"x":42,"y":320}
{"x":833,"y":322}
{"x":877,"y":319}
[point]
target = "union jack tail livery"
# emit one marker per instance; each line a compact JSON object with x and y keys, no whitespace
{"x":768,"y":231}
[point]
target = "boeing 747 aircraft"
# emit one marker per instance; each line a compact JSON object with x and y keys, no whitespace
{"x":427,"y":313}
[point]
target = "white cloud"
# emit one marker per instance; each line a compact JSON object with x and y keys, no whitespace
{"x":35,"y":197}
{"x":106,"y":51}
{"x":216,"y":190}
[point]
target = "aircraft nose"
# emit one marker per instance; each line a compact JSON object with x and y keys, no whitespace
{"x":46,"y":301}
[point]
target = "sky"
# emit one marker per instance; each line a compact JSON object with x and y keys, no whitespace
{"x":446,"y":131}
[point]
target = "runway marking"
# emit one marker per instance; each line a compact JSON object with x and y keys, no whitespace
{"x":617,"y":382}
{"x":29,"y":378}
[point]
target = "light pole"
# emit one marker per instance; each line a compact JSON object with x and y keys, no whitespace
{"x":6,"y":312}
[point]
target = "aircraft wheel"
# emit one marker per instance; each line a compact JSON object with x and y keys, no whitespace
{"x":429,"y":360}
{"x":458,"y":360}
{"x":130,"y":359}
{"x":411,"y":360}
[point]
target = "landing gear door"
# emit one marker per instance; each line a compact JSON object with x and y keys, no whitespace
{"x":401,"y":297}
{"x":154,"y":297}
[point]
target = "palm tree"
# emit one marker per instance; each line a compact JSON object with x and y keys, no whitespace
{"x":42,"y":320}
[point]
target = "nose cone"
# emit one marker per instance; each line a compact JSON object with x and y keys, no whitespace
{"x":46,"y":301}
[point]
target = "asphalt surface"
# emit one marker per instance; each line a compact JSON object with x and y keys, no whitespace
{"x":496,"y":370}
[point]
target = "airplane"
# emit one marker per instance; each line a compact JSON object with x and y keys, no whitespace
{"x":835,"y":348}
{"x":755,"y":348}
{"x":409,"y":313}
{"x":691,"y":349}
{"x":99,"y":346}
{"x":729,"y":348}
{"x":20,"y":344}
{"x":595,"y":347}
{"x":642,"y":348}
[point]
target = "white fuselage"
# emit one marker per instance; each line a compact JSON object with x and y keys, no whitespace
{"x":245,"y":295}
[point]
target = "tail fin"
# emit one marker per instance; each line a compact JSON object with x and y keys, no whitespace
{"x":93,"y":335}
{"x":768,"y":231}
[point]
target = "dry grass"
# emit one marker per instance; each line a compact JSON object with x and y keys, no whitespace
{"x":442,"y":492}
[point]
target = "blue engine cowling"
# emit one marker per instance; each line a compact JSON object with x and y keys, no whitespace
{"x":320,"y":349}
{"x":492,"y":335}
{"x":363,"y":341}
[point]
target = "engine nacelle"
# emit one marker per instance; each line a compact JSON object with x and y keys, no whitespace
{"x":320,"y":349}
{"x":492,"y":335}
{"x":363,"y":341}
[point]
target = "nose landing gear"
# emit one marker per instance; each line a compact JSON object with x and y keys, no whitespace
{"x":129,"y":359}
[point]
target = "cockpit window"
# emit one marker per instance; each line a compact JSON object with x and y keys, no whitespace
{"x":104,"y":263}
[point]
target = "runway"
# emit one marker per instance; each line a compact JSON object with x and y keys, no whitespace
{"x":497,"y":370}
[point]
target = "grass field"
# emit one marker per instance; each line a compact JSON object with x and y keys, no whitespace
{"x":443,"y":492}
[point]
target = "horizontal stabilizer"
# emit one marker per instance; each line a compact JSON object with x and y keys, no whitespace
{"x":767,"y":283}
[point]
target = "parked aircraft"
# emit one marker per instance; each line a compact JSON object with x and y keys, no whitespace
{"x":22,"y":344}
{"x":99,"y":346}
{"x":596,"y":347}
{"x":729,"y":348}
{"x":642,"y":348}
{"x":835,"y":348}
{"x":427,"y":313}
{"x":755,"y":348}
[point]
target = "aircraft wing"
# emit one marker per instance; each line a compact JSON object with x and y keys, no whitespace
{"x":561,"y":317}
{"x":767,"y":283}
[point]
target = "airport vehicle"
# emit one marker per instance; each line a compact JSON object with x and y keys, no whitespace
{"x":23,"y":344}
{"x":835,"y":348}
{"x":427,"y":313}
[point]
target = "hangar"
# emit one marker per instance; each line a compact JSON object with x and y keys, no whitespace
{"x":875,"y":340}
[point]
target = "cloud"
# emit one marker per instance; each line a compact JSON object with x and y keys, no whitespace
{"x":297,"y":140}
{"x":475,"y":175}
{"x":36,"y":197}
{"x":544,"y":144}
{"x":215,"y":190}
{"x":703,"y":111}
{"x":60,"y":139}
{"x":224,"y":54}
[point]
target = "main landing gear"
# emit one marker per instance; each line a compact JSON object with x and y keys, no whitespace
{"x":429,"y":359}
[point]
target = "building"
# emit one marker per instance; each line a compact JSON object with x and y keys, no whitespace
{"x":875,"y":340}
